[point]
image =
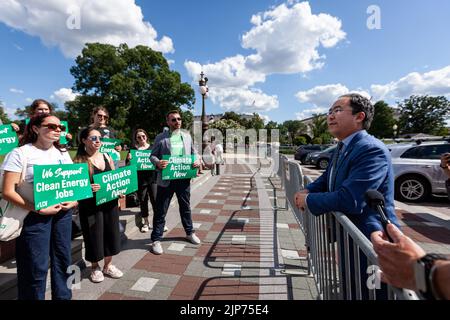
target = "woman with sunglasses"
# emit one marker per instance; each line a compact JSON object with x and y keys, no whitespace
{"x":146,"y":181}
{"x":99,"y":223}
{"x":46,"y":233}
{"x":100,"y":118}
{"x":38,"y":106}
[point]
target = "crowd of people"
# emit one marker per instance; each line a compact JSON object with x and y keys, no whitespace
{"x":360,"y":163}
{"x":45,"y":239}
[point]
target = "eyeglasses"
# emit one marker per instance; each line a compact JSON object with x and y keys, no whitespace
{"x":54,"y":126}
{"x":141,"y":137}
{"x":94,"y":138}
{"x":175,"y":119}
{"x":337,"y":110}
{"x":102,"y":116}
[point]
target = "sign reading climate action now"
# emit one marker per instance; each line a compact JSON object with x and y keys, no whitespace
{"x":114,"y":183}
{"x":58,"y":183}
{"x":179,"y":167}
{"x":141,"y":159}
{"x":108,"y":147}
{"x":8,"y":139}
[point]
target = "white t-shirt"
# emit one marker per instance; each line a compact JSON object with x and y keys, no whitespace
{"x":13,"y":160}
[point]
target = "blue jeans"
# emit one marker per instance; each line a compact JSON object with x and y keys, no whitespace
{"x":44,"y":237}
{"x":182,"y":188}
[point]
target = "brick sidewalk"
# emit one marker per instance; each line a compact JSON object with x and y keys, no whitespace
{"x":242,"y":255}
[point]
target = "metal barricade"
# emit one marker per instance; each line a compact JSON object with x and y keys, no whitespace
{"x":340,"y":257}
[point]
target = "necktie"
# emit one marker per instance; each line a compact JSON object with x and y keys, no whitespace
{"x":334,"y":165}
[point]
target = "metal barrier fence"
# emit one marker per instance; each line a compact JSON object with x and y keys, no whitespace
{"x":340,"y":258}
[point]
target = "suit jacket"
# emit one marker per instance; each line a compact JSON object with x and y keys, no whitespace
{"x":161,"y":147}
{"x":365,"y":164}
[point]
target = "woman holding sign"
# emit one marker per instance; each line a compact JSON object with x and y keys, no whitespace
{"x":46,"y":232}
{"x":99,"y":223}
{"x":146,"y":179}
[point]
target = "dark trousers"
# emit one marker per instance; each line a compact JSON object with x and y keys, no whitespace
{"x":146,"y":192}
{"x":182,"y":188}
{"x":44,"y":239}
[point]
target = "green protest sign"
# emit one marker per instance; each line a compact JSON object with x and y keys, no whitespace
{"x":58,"y":183}
{"x":141,"y":159}
{"x":179,"y":167}
{"x":108,"y":147}
{"x":8,"y":139}
{"x":62,"y":138}
{"x":115,"y":182}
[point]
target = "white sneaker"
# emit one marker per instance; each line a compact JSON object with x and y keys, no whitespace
{"x":193,"y":239}
{"x":145,"y":228}
{"x":166,"y":229}
{"x":113,"y":272}
{"x":97,"y":275}
{"x":157,"y":248}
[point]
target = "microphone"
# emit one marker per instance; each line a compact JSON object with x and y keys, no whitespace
{"x":375,"y":201}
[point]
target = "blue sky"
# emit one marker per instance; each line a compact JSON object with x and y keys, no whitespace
{"x":282,"y":59}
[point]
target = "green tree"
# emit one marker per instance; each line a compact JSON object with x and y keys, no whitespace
{"x":3,"y":116}
{"x":134,"y":84}
{"x":293,"y":128}
{"x":424,"y":114}
{"x":256,"y":122}
{"x":319,"y":128}
{"x":271,"y":125}
{"x":231,"y":115}
{"x":383,"y":121}
{"x":299,"y":140}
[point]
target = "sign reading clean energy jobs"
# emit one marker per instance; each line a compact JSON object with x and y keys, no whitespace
{"x":114,"y":183}
{"x":141,"y":158}
{"x":58,"y":183}
{"x":8,"y":139}
{"x":179,"y":167}
{"x":108,"y":147}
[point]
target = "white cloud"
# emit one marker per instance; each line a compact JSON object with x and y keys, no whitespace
{"x":286,"y":40}
{"x":322,"y":97}
{"x":112,"y":22}
{"x":308,"y":113}
{"x":243,"y":100}
{"x":63,"y":95}
{"x":436,"y":82}
{"x":325,"y":96}
{"x":14,"y":90}
{"x":18,"y":47}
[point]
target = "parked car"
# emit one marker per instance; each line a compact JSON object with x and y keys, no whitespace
{"x":417,"y":171}
{"x":321,"y":159}
{"x":303,"y":151}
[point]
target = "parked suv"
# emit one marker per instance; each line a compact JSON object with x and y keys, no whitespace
{"x":303,"y":151}
{"x":417,"y":171}
{"x":321,"y":159}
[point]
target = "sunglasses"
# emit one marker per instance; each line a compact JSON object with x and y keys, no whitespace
{"x":95,"y":138}
{"x":175,"y":119}
{"x":53,"y":126}
{"x":140,"y":137}
{"x":101,"y":116}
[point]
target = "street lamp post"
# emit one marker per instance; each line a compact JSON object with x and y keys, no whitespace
{"x":204,"y":92}
{"x":395,"y":127}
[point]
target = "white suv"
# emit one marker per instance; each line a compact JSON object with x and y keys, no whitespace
{"x":417,"y":170}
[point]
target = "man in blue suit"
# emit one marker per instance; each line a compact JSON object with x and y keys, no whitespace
{"x":362,"y":163}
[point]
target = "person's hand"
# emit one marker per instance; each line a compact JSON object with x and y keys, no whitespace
{"x":68,"y":205}
{"x":162,"y":164}
{"x":15,"y":127}
{"x":396,"y":259}
{"x":68,"y":136}
{"x":299,"y":199}
{"x":196,"y":164}
{"x":52,"y":210}
{"x":95,"y":187}
{"x":129,"y":156}
{"x":445,"y":160}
